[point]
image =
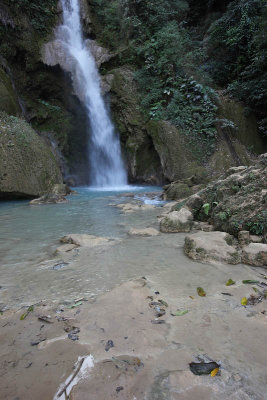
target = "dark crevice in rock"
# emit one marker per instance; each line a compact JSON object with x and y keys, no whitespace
{"x":15,"y":196}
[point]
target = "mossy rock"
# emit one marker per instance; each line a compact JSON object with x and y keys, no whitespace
{"x":176,"y":191}
{"x":176,"y":159}
{"x":28,"y":167}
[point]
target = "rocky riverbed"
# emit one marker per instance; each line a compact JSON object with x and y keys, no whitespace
{"x":136,"y":340}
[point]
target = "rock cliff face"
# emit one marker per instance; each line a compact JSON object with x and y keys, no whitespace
{"x":28,"y":167}
{"x":156,"y":152}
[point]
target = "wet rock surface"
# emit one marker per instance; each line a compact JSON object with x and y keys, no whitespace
{"x":177,"y":221}
{"x":212,"y":247}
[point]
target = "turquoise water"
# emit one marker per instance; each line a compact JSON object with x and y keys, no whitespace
{"x":31,"y":232}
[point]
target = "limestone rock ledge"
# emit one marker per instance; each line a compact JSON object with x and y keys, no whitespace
{"x":220,"y":247}
{"x":212,"y":247}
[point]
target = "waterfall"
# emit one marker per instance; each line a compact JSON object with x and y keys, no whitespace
{"x":106,"y":165}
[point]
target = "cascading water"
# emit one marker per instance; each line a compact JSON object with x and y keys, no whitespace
{"x":106,"y":165}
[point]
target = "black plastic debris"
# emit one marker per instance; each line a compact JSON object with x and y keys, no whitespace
{"x":203,"y":368}
{"x":158,"y":322}
{"x":109,"y":345}
{"x":73,"y":336}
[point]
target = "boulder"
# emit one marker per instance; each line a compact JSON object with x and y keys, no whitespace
{"x":255,"y":254}
{"x":28,"y":167}
{"x":143,"y":232}
{"x":212,"y":247}
{"x":177,"y":221}
{"x":84,"y":240}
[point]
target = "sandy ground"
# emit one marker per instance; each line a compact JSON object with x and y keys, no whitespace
{"x":148,"y":361}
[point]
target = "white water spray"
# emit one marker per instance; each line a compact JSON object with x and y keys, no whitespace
{"x":106,"y":166}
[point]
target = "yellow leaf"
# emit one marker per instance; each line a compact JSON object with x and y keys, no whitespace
{"x":244,"y":301}
{"x":191,"y":297}
{"x":214,"y":372}
{"x":201,"y":292}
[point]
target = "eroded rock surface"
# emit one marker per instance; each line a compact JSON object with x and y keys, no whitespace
{"x":255,"y":254}
{"x":212,"y":247}
{"x":177,"y":221}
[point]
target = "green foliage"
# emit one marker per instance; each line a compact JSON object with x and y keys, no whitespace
{"x":224,"y":215}
{"x":237,"y":51}
{"x":206,"y":208}
{"x":167,"y":62}
{"x":257,"y":227}
{"x":40,"y":13}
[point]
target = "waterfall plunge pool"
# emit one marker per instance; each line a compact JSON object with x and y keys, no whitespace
{"x":29,"y":236}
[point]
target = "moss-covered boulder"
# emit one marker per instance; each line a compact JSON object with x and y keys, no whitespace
{"x":28,"y":167}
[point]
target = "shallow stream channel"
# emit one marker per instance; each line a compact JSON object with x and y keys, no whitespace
{"x":30,"y":234}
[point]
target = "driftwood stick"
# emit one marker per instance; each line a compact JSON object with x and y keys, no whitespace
{"x":73,"y":376}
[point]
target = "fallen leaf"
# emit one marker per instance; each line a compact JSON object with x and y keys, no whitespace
{"x":255,"y":289}
{"x":23,"y":316}
{"x":164,"y":303}
{"x":244,"y":301}
{"x":230,"y":282}
{"x":214,"y":372}
{"x":191,"y":297}
{"x":250,"y":281}
{"x":179,"y":313}
{"x":201,"y":292}
{"x":75,"y":305}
